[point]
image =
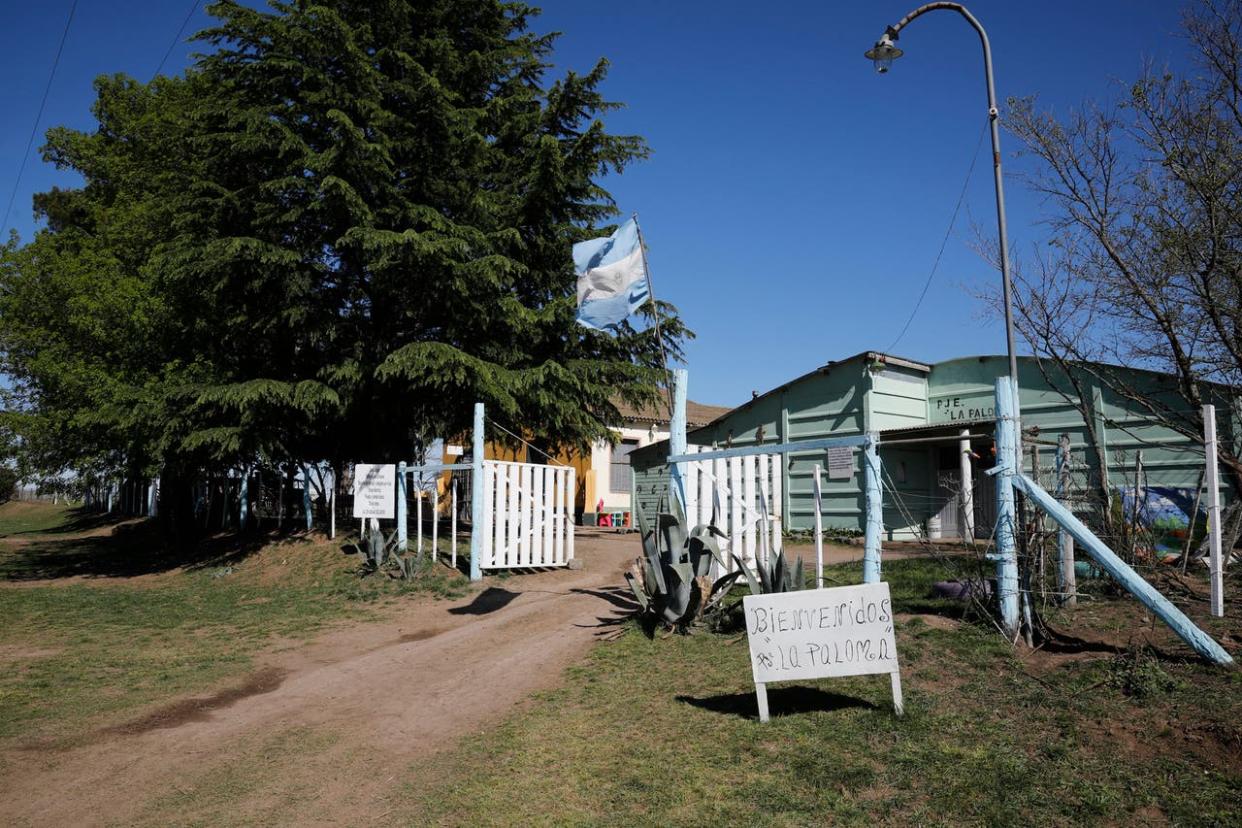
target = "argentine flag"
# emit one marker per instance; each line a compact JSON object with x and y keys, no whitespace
{"x":612,"y":281}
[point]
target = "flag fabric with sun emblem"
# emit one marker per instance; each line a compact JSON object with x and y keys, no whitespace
{"x":612,"y":278}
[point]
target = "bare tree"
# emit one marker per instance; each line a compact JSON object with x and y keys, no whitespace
{"x":1144,"y":266}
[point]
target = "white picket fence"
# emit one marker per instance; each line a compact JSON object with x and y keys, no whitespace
{"x":528,"y":512}
{"x":735,"y":487}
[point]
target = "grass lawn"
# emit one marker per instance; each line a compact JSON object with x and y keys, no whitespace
{"x":86,"y":652}
{"x":22,"y":518}
{"x":663,"y":732}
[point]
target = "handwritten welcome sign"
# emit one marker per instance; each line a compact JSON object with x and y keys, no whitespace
{"x":821,"y":633}
{"x":374,"y":486}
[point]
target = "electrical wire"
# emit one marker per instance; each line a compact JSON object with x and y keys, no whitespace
{"x":176,"y":39}
{"x":34,"y":128}
{"x":944,"y":243}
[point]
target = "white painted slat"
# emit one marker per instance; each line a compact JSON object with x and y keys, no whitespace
{"x":485,"y":488}
{"x":692,"y":487}
{"x":778,"y":502}
{"x":514,"y":516}
{"x":736,"y":526}
{"x":705,"y":493}
{"x":536,"y":515}
{"x":525,"y":509}
{"x":763,"y":538}
{"x":570,"y":491}
{"x":558,"y":515}
{"x":549,"y":524}
{"x":750,"y":513}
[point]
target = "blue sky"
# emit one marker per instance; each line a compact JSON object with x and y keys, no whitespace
{"x":795,"y":200}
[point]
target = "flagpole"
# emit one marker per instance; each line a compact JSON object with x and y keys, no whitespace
{"x":642,"y":245}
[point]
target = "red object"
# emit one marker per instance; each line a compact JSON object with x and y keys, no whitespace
{"x":602,"y":518}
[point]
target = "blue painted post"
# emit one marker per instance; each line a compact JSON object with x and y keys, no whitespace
{"x":306,"y":498}
{"x":243,"y":501}
{"x":875,"y":513}
{"x":403,"y":531}
{"x":476,"y":497}
{"x":677,"y":436}
{"x":1006,"y":512}
{"x":1202,"y":643}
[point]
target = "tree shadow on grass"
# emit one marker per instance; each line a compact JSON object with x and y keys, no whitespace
{"x":77,"y":520}
{"x":131,"y":549}
{"x":781,"y":701}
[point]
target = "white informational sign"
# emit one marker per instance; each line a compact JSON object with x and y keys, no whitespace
{"x":840,"y":463}
{"x":454,"y":451}
{"x":821,"y":633}
{"x":374,"y":490}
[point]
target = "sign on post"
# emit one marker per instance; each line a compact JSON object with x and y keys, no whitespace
{"x":374,"y":488}
{"x":821,"y":633}
{"x":840,"y":463}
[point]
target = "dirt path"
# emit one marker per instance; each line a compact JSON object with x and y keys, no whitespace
{"x":319,"y":733}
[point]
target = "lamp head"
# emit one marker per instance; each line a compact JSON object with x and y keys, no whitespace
{"x":883,"y":53}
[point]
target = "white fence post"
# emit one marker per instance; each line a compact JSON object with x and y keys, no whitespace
{"x":1213,"y":508}
{"x":819,"y":531}
{"x":477,"y":513}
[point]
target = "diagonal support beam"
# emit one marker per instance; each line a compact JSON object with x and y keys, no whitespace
{"x":1186,"y":629}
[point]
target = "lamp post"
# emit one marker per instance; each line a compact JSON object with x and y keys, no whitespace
{"x":883,"y":54}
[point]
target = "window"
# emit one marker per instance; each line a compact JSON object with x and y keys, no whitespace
{"x":620,"y":473}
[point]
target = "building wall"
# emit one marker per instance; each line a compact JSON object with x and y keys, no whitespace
{"x":851,"y":397}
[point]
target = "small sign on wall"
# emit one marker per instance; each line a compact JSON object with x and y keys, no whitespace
{"x":453,"y":451}
{"x":821,"y":633}
{"x":840,"y":463}
{"x":374,"y":490}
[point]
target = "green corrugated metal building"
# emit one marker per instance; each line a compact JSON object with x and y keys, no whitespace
{"x":920,"y":411}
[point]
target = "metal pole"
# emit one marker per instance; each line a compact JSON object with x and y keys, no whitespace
{"x":998,"y":178}
{"x":967,"y":481}
{"x":642,"y":246}
{"x":403,"y":530}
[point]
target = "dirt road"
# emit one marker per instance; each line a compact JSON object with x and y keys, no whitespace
{"x":319,"y":732}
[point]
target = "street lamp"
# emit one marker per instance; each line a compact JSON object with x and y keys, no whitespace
{"x":883,"y":54}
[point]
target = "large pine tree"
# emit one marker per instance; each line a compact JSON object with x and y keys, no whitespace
{"x":350,"y":221}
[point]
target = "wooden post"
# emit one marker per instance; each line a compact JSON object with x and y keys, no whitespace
{"x":761,"y":695}
{"x":306,"y":498}
{"x":418,"y":517}
{"x":1006,"y":511}
{"x":677,"y":436}
{"x":331,"y":495}
{"x":1212,"y":474}
{"x":435,"y":518}
{"x":899,"y":705}
{"x":1067,"y":582}
{"x":1194,"y":517}
{"x":453,"y":522}
{"x":403,"y":517}
{"x":967,"y":480}
{"x":875,"y":512}
{"x":476,"y":497}
{"x":819,"y":532}
{"x":243,"y":500}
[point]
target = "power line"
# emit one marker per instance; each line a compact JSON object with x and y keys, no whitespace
{"x":176,"y":38}
{"x":952,"y":221}
{"x":34,"y":129}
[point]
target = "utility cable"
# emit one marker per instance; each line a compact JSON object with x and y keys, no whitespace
{"x":176,"y":38}
{"x":947,"y":233}
{"x":34,"y":129}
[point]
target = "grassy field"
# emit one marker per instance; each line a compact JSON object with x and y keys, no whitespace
{"x":95,"y":628}
{"x":663,"y":732}
{"x":27,"y":518}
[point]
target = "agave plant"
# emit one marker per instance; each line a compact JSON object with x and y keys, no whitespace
{"x":672,"y":581}
{"x":772,"y":572}
{"x":380,"y":550}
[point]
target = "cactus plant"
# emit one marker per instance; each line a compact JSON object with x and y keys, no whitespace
{"x":672,"y":581}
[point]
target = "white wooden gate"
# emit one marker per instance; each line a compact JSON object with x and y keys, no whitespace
{"x":528,"y":512}
{"x":737,"y":487}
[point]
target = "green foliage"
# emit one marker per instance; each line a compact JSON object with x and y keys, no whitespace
{"x":344,"y":225}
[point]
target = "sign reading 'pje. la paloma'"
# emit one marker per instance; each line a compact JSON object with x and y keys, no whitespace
{"x":821,"y":633}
